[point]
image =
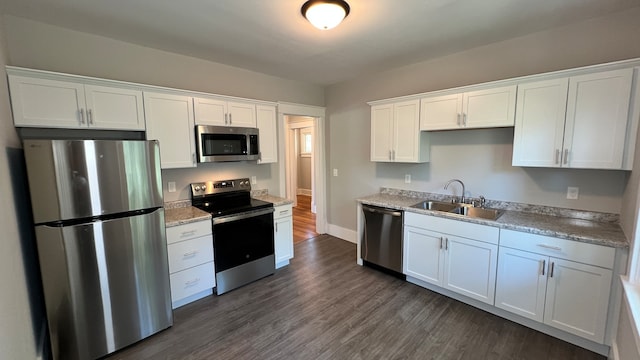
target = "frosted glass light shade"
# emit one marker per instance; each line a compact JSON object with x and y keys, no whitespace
{"x":325,"y":14}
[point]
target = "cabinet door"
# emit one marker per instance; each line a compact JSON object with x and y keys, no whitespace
{"x":381,"y":130}
{"x":521,"y":283}
{"x":597,"y":115}
{"x":114,"y":108}
{"x":441,"y":112}
{"x":283,"y":240}
{"x":539,"y":127}
{"x":266,"y":123}
{"x":47,"y":103}
{"x":422,"y":255}
{"x":577,"y":298}
{"x":406,"y":131}
{"x":470,"y":268}
{"x":170,"y":121}
{"x":241,"y":114}
{"x":489,"y":108}
{"x":210,"y":111}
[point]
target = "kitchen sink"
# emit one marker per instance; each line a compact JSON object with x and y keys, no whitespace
{"x":475,"y":212}
{"x":435,"y":205}
{"x":459,"y":209}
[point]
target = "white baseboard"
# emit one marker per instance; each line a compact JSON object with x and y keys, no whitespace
{"x":306,"y":192}
{"x":342,"y":233}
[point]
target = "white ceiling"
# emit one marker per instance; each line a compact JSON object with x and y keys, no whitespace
{"x":272,"y":37}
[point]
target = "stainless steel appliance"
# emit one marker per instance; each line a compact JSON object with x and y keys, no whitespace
{"x":227,"y":143}
{"x":382,"y":238}
{"x":242,"y":231}
{"x":99,"y":223}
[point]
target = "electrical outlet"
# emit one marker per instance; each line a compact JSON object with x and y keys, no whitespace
{"x":572,"y":193}
{"x":335,"y":172}
{"x":171,"y":186}
{"x":407,"y":178}
{"x":254,"y":180}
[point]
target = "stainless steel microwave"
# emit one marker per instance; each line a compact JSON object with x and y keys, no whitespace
{"x":226,"y":143}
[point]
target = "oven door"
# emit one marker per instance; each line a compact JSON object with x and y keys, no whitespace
{"x":242,"y":238}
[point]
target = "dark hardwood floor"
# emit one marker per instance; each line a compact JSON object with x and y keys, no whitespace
{"x":324,"y":306}
{"x":304,"y":221}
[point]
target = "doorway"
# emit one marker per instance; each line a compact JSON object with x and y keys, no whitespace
{"x":300,"y":170}
{"x":302,"y":129}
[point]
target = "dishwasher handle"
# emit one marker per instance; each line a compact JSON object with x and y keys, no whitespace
{"x":382,"y":210}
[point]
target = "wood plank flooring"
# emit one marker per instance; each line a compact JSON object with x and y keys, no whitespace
{"x":324,"y":306}
{"x":304,"y":221}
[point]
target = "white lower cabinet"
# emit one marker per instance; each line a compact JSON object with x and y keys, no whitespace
{"x":283,"y":236}
{"x":459,"y":258}
{"x":545,"y":284}
{"x":191,"y":265}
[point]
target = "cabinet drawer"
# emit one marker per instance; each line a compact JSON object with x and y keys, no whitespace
{"x":188,"y":231}
{"x":598,"y":255}
{"x":192,"y":281}
{"x":479,"y":232}
{"x":189,"y":253}
{"x":283,"y":211}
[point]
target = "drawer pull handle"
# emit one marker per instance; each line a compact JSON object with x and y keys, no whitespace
{"x":550,"y":247}
{"x":284,"y":212}
{"x":190,"y":254}
{"x":188,"y":233}
{"x":191,"y":282}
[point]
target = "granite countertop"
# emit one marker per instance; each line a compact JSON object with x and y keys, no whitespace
{"x":540,"y":220}
{"x":264,"y":196}
{"x":181,"y":212}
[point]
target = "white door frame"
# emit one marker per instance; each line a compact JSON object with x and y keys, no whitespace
{"x":293,"y":146}
{"x":319,"y":171}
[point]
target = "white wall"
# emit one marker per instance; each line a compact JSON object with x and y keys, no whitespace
{"x":17,"y":340}
{"x":481,"y":158}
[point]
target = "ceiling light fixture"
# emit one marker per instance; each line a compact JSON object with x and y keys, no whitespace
{"x":325,"y":14}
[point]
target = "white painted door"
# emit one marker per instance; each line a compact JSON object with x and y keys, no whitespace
{"x":241,"y":114}
{"x":578,"y":298}
{"x":422,"y":255}
{"x":406,"y":131}
{"x":597,"y":115}
{"x":170,"y":121}
{"x":539,"y":127}
{"x":47,"y":103}
{"x":114,"y":108}
{"x":441,"y":112}
{"x":210,"y":111}
{"x":470,"y":268}
{"x":268,"y":137}
{"x":283,"y":239}
{"x":489,"y":108}
{"x":381,"y":132}
{"x":521,"y":283}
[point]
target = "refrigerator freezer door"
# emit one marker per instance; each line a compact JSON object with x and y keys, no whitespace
{"x":106,"y":284}
{"x":77,"y":179}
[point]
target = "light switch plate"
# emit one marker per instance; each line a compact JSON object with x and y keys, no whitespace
{"x":335,"y":172}
{"x":572,"y":193}
{"x":254,"y":180}
{"x":171,"y":186}
{"x":407,"y":178}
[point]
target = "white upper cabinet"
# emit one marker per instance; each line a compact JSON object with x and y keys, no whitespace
{"x":170,"y":121}
{"x":267,"y":132}
{"x":494,"y":107}
{"x":575,"y":122}
{"x":395,"y":133}
{"x":41,"y":102}
{"x":211,"y":111}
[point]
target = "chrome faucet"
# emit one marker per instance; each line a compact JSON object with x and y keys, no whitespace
{"x":461,"y":183}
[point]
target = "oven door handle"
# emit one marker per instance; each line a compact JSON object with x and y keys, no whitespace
{"x":246,"y":215}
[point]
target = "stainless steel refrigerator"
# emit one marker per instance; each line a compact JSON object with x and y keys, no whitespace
{"x":99,"y":224}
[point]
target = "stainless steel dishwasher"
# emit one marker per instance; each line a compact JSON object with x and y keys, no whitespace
{"x":382,"y":238}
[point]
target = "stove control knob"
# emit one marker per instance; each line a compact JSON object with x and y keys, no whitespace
{"x":197,"y":187}
{"x":203,"y":187}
